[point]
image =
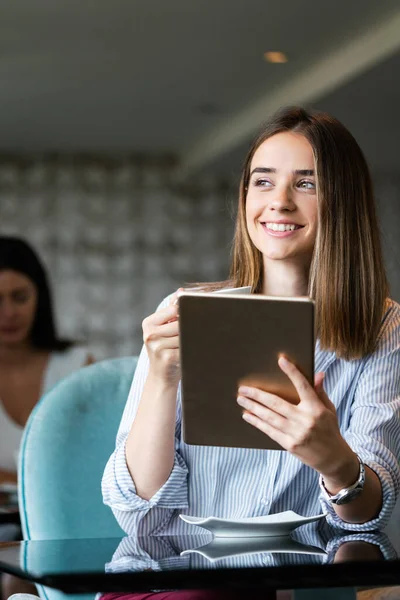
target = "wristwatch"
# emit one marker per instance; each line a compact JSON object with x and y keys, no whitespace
{"x":346,"y":494}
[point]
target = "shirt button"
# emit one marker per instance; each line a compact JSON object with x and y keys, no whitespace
{"x":265,"y":501}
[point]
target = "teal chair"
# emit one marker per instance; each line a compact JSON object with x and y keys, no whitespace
{"x":66,"y":443}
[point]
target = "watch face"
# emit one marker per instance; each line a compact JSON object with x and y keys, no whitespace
{"x":351,"y":494}
{"x":347,"y":494}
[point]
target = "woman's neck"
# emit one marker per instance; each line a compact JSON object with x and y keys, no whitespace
{"x":282,"y":278}
{"x":15,"y":354}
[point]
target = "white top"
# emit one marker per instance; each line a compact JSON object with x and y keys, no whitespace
{"x":60,"y":365}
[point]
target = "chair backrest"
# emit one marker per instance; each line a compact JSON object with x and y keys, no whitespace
{"x":66,"y":444}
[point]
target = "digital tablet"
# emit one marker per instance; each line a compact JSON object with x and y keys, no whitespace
{"x":228,"y":340}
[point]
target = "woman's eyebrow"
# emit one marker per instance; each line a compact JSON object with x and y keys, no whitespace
{"x":263,"y":170}
{"x":304,"y":172}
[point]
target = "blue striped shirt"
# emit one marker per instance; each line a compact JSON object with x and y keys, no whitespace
{"x":237,"y":482}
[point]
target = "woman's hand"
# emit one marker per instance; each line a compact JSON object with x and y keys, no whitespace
{"x":161,"y":338}
{"x":309,"y":430}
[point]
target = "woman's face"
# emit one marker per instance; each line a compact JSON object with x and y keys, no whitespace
{"x":18,"y":301}
{"x":281,"y":203}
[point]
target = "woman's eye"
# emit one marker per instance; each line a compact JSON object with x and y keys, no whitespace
{"x":21,"y":297}
{"x":306,"y":185}
{"x":262,"y":183}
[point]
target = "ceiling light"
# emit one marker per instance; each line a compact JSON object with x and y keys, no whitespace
{"x":275,"y":57}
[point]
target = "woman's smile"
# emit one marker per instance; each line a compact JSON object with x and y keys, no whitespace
{"x":280,"y":229}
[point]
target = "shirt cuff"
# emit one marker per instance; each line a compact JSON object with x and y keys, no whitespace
{"x":388,"y":502}
{"x":173,"y":494}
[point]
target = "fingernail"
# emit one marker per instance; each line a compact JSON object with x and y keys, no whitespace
{"x":240,"y":400}
{"x":283,"y":361}
{"x":247,"y":417}
{"x":244,"y":391}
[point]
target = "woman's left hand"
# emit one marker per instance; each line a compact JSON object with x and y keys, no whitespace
{"x":309,"y":430}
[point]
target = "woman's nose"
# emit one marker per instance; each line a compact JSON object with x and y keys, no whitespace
{"x":282,"y":199}
{"x":7,"y":309}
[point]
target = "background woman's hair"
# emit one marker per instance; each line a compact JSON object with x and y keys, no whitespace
{"x":347,"y":276}
{"x":17,"y":255}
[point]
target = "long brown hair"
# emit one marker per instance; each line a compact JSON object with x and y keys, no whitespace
{"x":347,"y":276}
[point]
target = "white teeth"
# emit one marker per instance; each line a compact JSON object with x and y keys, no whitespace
{"x":280,"y":227}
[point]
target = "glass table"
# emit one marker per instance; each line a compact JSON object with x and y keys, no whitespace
{"x":313,"y":556}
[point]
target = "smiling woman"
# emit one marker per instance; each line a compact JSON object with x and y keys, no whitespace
{"x":306,"y":225}
{"x":344,"y":273}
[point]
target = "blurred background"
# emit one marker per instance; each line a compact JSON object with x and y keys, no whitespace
{"x":124,"y":125}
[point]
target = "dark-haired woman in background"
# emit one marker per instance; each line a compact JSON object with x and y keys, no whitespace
{"x":32,"y":358}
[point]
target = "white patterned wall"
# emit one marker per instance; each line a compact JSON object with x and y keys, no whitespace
{"x":116,"y":239}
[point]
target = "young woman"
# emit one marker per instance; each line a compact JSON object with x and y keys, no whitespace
{"x":306,"y":225}
{"x":32,"y":359}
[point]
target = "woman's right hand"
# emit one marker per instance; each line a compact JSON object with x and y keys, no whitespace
{"x":161,"y":338}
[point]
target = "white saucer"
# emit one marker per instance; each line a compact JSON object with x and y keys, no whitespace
{"x":220,"y":548}
{"x":270,"y":525}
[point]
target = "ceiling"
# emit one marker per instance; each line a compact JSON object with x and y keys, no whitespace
{"x":160,"y":77}
{"x":368,"y":105}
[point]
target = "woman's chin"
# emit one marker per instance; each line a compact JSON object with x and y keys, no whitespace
{"x":279,"y":254}
{"x":290,"y":254}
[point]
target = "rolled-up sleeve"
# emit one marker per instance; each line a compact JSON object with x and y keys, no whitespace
{"x":374,"y":431}
{"x":118,"y":488}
